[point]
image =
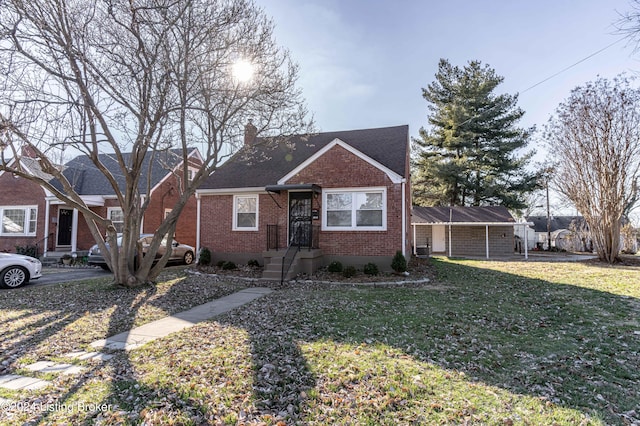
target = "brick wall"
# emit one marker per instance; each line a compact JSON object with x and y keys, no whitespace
{"x":17,"y":191}
{"x":337,"y":168}
{"x":165,"y":197}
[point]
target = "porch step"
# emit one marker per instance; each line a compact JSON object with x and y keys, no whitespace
{"x":273,"y":270}
{"x":53,"y":257}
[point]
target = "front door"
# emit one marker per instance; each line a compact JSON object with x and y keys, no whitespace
{"x":438,"y":238}
{"x":65,"y":224}
{"x":300,"y":218}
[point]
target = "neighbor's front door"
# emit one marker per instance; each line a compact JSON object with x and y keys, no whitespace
{"x":300,"y":218}
{"x":65,"y":225}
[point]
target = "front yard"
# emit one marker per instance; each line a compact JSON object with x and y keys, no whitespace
{"x":485,"y":343}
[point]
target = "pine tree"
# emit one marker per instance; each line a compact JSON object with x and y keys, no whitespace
{"x":469,"y":155}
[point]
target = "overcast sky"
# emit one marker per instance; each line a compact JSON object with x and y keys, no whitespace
{"x":364,"y":62}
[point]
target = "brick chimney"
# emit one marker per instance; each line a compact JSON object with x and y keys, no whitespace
{"x":250,"y":133}
{"x":28,"y":151}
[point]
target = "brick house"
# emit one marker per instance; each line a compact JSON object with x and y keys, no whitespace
{"x":463,"y":231}
{"x":61,"y":228}
{"x":337,"y":195}
{"x":22,"y":206}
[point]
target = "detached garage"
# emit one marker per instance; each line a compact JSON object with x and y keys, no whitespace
{"x":463,"y":231}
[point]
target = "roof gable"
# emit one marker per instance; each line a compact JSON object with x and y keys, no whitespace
{"x":393,"y":176}
{"x":88,"y":180}
{"x":269,"y":161}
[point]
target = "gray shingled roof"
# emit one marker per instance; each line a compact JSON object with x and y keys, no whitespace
{"x":557,"y":222}
{"x":88,"y":180}
{"x":269,"y":159}
{"x":444,"y":214}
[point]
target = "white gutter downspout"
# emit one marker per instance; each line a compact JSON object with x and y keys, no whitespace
{"x":198,"y":206}
{"x":404,"y":219}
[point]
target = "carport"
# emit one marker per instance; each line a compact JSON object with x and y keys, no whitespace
{"x":465,"y":231}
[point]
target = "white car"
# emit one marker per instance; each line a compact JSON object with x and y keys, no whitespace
{"x":17,"y":270}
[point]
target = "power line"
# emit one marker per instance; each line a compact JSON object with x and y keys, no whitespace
{"x":573,"y":65}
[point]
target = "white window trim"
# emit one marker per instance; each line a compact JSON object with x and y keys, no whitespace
{"x":27,"y":217}
{"x":235,"y":226}
{"x":110,"y":209}
{"x":353,"y":227}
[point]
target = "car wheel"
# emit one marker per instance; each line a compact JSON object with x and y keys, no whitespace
{"x":13,"y":277}
{"x":188,"y":258}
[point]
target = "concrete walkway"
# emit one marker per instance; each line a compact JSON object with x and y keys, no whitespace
{"x":139,"y":336}
{"x":132,"y":339}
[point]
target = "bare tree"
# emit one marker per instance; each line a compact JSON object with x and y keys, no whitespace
{"x":139,"y":77}
{"x":595,"y":137}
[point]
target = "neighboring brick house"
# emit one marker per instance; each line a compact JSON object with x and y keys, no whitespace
{"x":463,"y":231}
{"x":22,"y":207}
{"x":61,"y":228}
{"x":339,"y":195}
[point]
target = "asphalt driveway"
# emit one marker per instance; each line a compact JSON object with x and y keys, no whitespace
{"x":63,"y":275}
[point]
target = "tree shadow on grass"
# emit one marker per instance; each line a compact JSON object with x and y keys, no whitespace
{"x":299,"y":355}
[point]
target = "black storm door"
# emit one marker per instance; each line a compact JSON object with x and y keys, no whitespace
{"x":300,"y":218}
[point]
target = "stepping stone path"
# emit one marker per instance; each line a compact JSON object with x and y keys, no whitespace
{"x":17,"y":382}
{"x":130,"y":340}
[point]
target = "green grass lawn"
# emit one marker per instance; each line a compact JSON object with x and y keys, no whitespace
{"x":486,"y":343}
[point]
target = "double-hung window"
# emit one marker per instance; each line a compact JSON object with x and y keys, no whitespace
{"x":18,"y":220}
{"x":245,"y":212}
{"x":355,"y":210}
{"x":116,"y":215}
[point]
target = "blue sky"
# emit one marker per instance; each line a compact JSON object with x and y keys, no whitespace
{"x":363,"y":63}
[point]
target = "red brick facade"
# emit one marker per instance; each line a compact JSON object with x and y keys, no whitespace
{"x":163,"y":198}
{"x":17,"y":191}
{"x":337,"y":168}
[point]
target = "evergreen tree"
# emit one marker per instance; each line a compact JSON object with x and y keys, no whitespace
{"x":469,"y":155}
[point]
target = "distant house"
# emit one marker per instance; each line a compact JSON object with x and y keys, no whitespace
{"x":338,"y":195}
{"x":463,"y":231}
{"x":32,"y":215}
{"x":570,"y":233}
{"x":22,"y":206}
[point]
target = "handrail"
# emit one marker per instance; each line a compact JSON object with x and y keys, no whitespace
{"x":46,"y":237}
{"x":290,"y":255}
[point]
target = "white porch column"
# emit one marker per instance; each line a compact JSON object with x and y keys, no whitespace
{"x":74,"y":231}
{"x":526,"y":241}
{"x":415,"y":245}
{"x":486,"y":237}
{"x":47,"y":207}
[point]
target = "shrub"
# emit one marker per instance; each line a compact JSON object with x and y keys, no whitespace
{"x":399,"y":263}
{"x":349,"y":271}
{"x":205,"y":257}
{"x":371,"y":269}
{"x":335,"y":266}
{"x":220,"y":263}
{"x":26,"y":250}
{"x":228,"y":266}
{"x":253,"y":263}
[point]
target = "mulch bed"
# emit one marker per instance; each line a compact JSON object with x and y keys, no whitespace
{"x":419,"y":269}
